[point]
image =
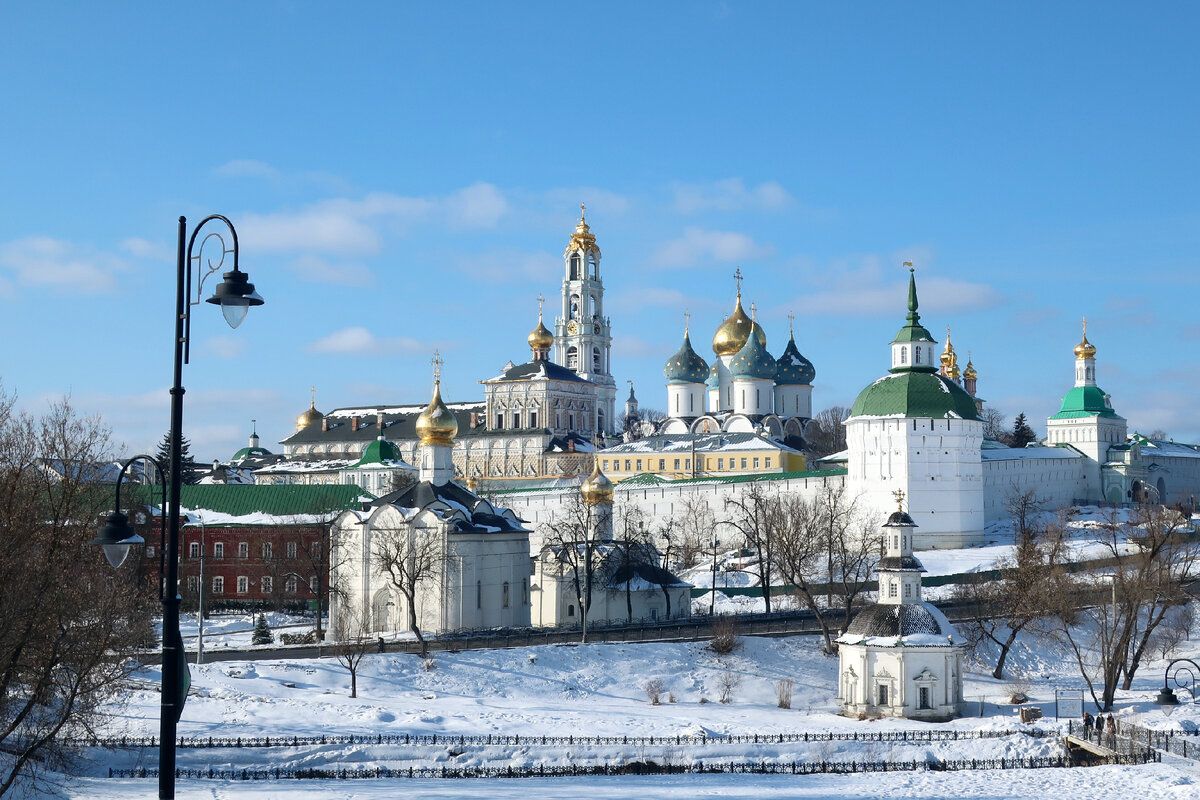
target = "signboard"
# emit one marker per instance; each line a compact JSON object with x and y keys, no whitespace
{"x":1068,"y":703}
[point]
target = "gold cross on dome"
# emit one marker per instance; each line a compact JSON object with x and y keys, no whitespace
{"x":437,"y":366}
{"x":313,"y":394}
{"x":582,"y":211}
{"x":899,"y":495}
{"x":737,"y":276}
{"x":1085,"y":327}
{"x":791,"y":323}
{"x":541,"y":302}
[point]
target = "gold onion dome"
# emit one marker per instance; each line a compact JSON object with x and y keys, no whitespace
{"x":582,"y":238}
{"x":310,"y":417}
{"x":596,"y":488}
{"x":969,"y":373}
{"x":437,"y":424}
{"x":540,"y":338}
{"x":1085,"y":349}
{"x":735,"y":330}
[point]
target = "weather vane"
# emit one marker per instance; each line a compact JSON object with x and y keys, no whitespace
{"x":910,"y":266}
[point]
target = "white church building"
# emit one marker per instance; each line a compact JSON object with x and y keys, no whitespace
{"x":464,"y":560}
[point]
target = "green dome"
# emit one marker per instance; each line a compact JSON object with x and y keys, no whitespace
{"x":914,"y":394}
{"x":714,"y":377}
{"x":686,"y":366}
{"x":753,"y":360}
{"x":378,"y":452}
{"x":1085,"y":401}
{"x":792,"y":367}
{"x":247,"y":452}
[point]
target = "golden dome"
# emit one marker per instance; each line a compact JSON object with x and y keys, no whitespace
{"x":582,"y":238}
{"x":437,"y":424}
{"x":596,"y":488}
{"x":735,"y":330}
{"x":540,"y":338}
{"x":310,"y":417}
{"x":1085,"y":349}
{"x":969,"y":373}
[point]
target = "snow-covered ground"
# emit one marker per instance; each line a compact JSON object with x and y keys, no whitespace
{"x":228,"y":630}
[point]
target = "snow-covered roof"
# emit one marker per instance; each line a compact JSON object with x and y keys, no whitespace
{"x":699,"y":442}
{"x":417,"y":408}
{"x":1025,"y":453}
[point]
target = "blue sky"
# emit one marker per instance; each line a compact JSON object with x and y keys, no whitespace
{"x":405,"y":177}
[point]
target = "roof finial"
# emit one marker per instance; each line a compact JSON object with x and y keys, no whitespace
{"x":913,"y":316}
{"x":583,"y":212}
{"x":737,"y":276}
{"x":899,"y":495}
{"x":313,"y":394}
{"x":437,"y":362}
{"x":254,"y":427}
{"x":687,"y":320}
{"x":791,"y":325}
{"x":1085,"y":327}
{"x":541,"y":302}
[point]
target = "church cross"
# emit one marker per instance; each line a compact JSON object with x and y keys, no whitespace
{"x":687,"y":320}
{"x":254,"y":427}
{"x":437,"y":366}
{"x":792,"y":324}
{"x":737,"y":276}
{"x":754,"y":311}
{"x":582,"y":212}
{"x":313,"y":392}
{"x":1085,"y":327}
{"x":541,"y":301}
{"x":899,"y":495}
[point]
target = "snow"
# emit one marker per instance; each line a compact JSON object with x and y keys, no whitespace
{"x":596,"y":689}
{"x":1022,"y":453}
{"x":405,"y":409}
{"x":232,"y":630}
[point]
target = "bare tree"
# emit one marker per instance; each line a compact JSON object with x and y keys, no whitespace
{"x":826,"y":434}
{"x":412,"y":559}
{"x":694,"y":530}
{"x":995,"y":425}
{"x":1111,"y":637}
{"x":801,"y":551}
{"x":569,"y":547}
{"x":754,"y":515}
{"x":356,"y":641}
{"x":68,"y":623}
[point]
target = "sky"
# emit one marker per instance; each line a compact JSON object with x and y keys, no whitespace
{"x":404,"y":177}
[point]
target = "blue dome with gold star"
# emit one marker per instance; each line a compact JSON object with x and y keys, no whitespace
{"x":793,"y":368}
{"x":753,"y":360}
{"x":686,"y":366}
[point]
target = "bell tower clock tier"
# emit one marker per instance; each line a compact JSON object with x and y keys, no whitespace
{"x":582,"y":334}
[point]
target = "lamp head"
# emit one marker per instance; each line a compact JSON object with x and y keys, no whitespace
{"x":1166,"y":700}
{"x":235,"y":295}
{"x":116,"y":537}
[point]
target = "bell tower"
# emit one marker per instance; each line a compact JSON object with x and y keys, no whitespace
{"x":582,"y":334}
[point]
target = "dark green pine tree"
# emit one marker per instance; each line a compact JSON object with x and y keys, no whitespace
{"x":1022,"y":434}
{"x":262,"y":634}
{"x":187,"y":464}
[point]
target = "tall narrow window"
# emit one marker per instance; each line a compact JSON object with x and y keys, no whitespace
{"x":524,"y":591}
{"x":597,"y":360}
{"x":504,"y":595}
{"x":218,"y":550}
{"x":268,"y":584}
{"x":218,"y":584}
{"x":266,"y":551}
{"x":243,"y":584}
{"x":290,"y":549}
{"x":478,"y":594}
{"x":916,"y":355}
{"x":903,"y":355}
{"x":575,"y":267}
{"x":573,"y":357}
{"x":194,"y":550}
{"x":243,"y":549}
{"x":533,"y":419}
{"x":499,"y":422}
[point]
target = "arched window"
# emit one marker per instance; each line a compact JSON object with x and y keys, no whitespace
{"x":916,"y":355}
{"x":575,"y":267}
{"x":574,"y":306}
{"x":599,"y":420}
{"x":593,"y":266}
{"x":597,"y":360}
{"x":903,"y":355}
{"x":573,"y":357}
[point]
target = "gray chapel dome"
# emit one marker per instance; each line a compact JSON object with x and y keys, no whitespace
{"x":793,"y":368}
{"x":899,"y":620}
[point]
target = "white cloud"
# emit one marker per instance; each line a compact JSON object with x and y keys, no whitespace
{"x":731,"y":194}
{"x":360,"y":341}
{"x":247,"y":168}
{"x":225,"y":346}
{"x":699,"y":246}
{"x":512,"y":266}
{"x":345,"y":225}
{"x":318,"y":270}
{"x":144,"y":248}
{"x":45,"y":261}
{"x":871,"y":288}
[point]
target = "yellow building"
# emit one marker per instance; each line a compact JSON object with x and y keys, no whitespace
{"x":676,"y":456}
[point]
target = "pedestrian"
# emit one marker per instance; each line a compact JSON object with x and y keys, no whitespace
{"x":1087,"y":725}
{"x":1110,"y":727}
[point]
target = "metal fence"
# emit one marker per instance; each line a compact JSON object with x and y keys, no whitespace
{"x":405,"y":739}
{"x":630,"y":768}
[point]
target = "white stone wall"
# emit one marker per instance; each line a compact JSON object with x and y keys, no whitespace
{"x":793,"y":400}
{"x":935,"y":462}
{"x":1059,"y":479}
{"x":685,"y":400}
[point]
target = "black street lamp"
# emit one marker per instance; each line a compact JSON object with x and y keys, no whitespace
{"x":1166,"y":700}
{"x":117,"y":537}
{"x":235,"y":295}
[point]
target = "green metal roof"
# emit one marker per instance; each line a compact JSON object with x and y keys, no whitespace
{"x":642,"y":480}
{"x":914,"y":331}
{"x":1085,"y":401}
{"x":914,"y":393}
{"x":246,"y":452}
{"x":283,"y":500}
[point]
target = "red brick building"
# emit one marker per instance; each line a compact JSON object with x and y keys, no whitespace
{"x":254,"y":546}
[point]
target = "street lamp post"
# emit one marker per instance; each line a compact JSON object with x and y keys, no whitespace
{"x":200,"y":603}
{"x":712,"y":609}
{"x":235,"y":295}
